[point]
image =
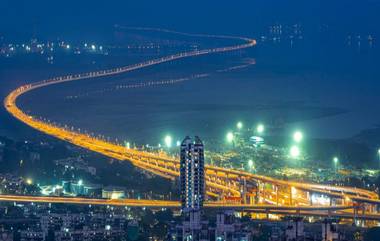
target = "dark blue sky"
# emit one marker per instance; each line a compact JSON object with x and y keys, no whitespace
{"x":22,"y":17}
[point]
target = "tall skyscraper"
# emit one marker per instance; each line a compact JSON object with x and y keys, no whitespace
{"x":192,"y":174}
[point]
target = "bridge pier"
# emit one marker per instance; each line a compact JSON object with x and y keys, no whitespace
{"x":291,"y":196}
{"x":355,"y":215}
{"x":276,"y":194}
{"x":310,"y":194}
{"x":373,"y":208}
{"x":363,"y":209}
{"x":258,"y":192}
{"x":298,"y":212}
{"x":244,"y":192}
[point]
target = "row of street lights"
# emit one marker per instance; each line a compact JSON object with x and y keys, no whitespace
{"x":294,"y":151}
{"x":259,"y":129}
{"x":168,"y":141}
{"x":230,"y":135}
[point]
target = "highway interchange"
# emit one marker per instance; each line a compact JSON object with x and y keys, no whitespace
{"x":285,"y":196}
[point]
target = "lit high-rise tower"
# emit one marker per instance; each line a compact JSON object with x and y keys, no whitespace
{"x":192,"y":174}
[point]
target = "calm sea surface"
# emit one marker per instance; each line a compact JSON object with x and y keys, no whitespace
{"x":329,"y":90}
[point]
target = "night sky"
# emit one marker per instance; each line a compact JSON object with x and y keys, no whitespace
{"x":24,"y":17}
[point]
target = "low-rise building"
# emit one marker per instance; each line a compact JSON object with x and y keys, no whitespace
{"x":112,"y":192}
{"x":228,"y":227}
{"x":32,"y":235}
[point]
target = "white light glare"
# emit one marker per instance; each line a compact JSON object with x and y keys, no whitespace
{"x":168,"y":141}
{"x":295,"y":151}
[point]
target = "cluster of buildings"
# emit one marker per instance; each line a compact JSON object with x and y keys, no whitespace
{"x":294,"y":228}
{"x":77,"y":227}
{"x":227,"y":226}
{"x":72,"y":188}
{"x":11,"y":184}
{"x":278,"y":32}
{"x":40,"y":223}
{"x":76,"y":164}
{"x":230,"y":228}
{"x":49,"y":48}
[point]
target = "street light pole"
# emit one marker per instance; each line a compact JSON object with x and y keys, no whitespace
{"x":336,"y":160}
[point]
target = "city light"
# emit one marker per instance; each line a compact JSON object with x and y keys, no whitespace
{"x":127,"y":144}
{"x":93,"y":47}
{"x":260,"y":128}
{"x":297,"y":136}
{"x":80,"y":182}
{"x":29,"y":181}
{"x":168,"y":141}
{"x":294,"y":191}
{"x":178,"y":143}
{"x":230,"y":137}
{"x":335,"y":160}
{"x":319,"y":199}
{"x":250,"y":164}
{"x":295,"y":151}
{"x":68,"y":46}
{"x":239,"y":125}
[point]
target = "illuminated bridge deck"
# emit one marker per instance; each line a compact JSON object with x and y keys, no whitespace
{"x":320,"y":211}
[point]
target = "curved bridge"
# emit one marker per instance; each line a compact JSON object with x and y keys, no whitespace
{"x":224,"y":185}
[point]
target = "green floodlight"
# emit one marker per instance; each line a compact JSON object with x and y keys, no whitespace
{"x":260,"y":128}
{"x":335,"y":160}
{"x":230,"y":137}
{"x":250,"y":163}
{"x":168,"y":141}
{"x":295,"y":151}
{"x":297,"y":136}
